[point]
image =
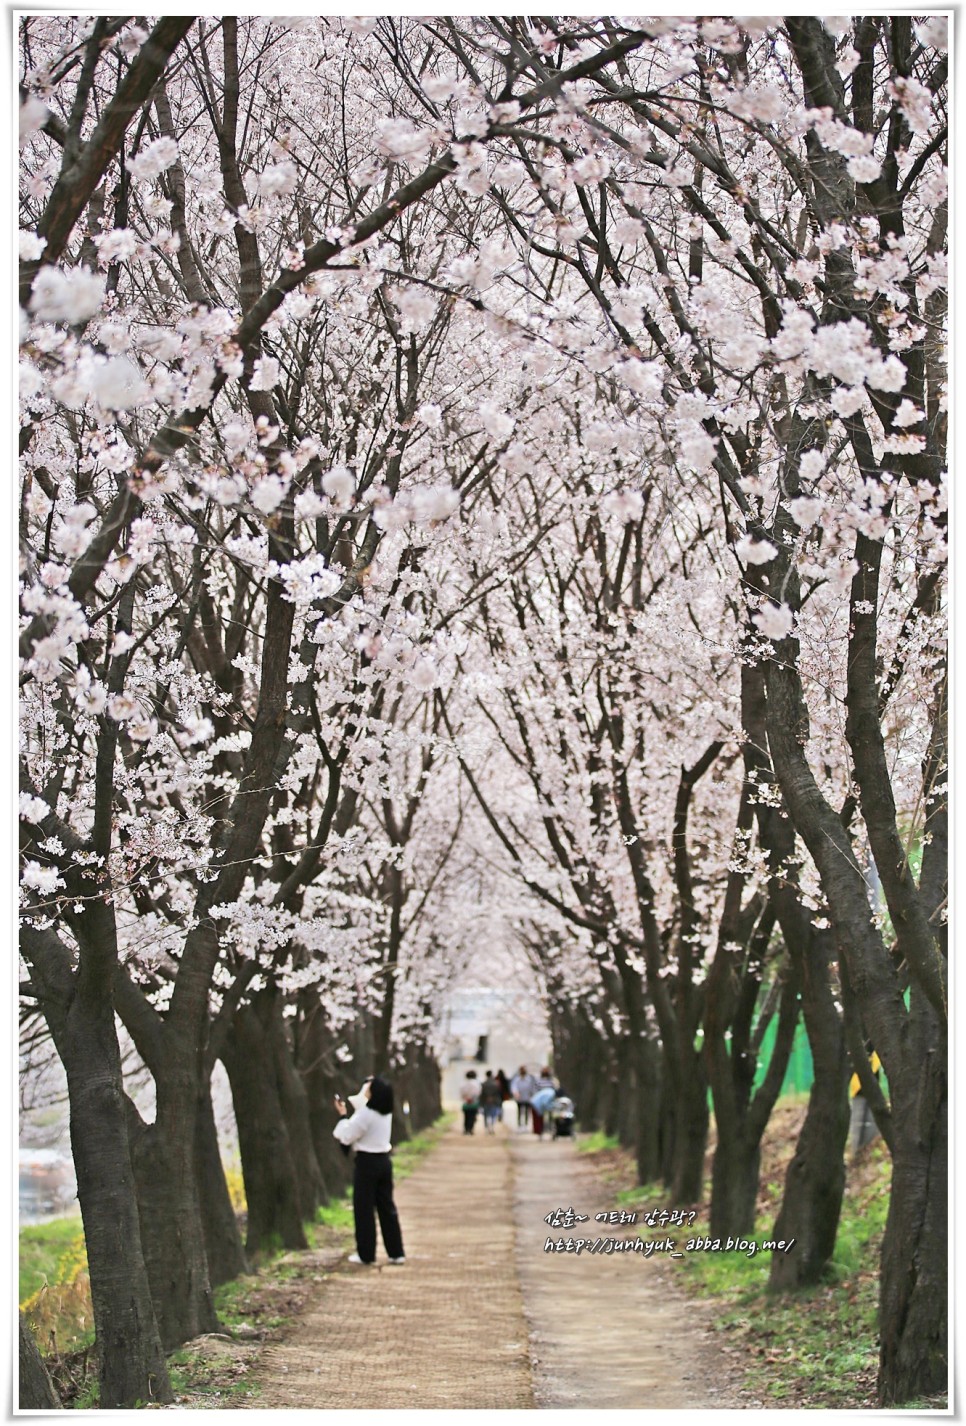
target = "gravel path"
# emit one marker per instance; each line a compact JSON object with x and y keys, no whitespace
{"x":482,"y":1316}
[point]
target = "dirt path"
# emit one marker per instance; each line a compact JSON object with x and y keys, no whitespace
{"x":606,"y":1330}
{"x":445,"y":1330}
{"x":481,"y":1316}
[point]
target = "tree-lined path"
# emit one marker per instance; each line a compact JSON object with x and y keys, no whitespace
{"x":483,"y":514}
{"x":480,"y":1316}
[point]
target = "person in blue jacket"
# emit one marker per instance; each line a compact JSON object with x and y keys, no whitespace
{"x":541,"y":1099}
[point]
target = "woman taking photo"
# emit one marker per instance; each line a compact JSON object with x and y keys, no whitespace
{"x":368,"y":1131}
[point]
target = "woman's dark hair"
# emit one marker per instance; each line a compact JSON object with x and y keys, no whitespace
{"x":380,"y":1096}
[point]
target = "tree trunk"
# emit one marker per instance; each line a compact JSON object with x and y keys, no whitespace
{"x":324,"y":1075}
{"x":129,"y":1332}
{"x":913,"y":1284}
{"x":167,"y":1167}
{"x":295,"y":1108}
{"x":223,"y":1244}
{"x":734,"y":1184}
{"x":648,"y":1095}
{"x":911,"y":1045}
{"x":690,"y":1133}
{"x":666,"y":1112}
{"x":80,"y":1012}
{"x":814,"y":1184}
{"x":585,"y":1064}
{"x":612,"y":1102}
{"x":740,"y":1114}
{"x":589,"y":1093}
{"x":35,"y":1388}
{"x":334,"y":1165}
{"x":417,"y":1083}
{"x":172,"y":1232}
{"x":858,"y":1043}
{"x":815,"y":1180}
{"x":275,"y":1218}
{"x":625,"y":1111}
{"x":426,"y":1096}
{"x":314,"y":1054}
{"x":593,"y":1087}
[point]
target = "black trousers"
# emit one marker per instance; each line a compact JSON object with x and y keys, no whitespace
{"x":371,"y":1195}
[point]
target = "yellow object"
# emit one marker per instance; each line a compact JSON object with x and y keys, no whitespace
{"x":854,"y":1084}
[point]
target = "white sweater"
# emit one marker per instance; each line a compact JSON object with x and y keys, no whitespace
{"x":368,"y":1131}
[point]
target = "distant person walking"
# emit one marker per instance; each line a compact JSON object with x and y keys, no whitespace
{"x":470,"y":1097}
{"x":504,"y":1090}
{"x":541,"y":1099}
{"x":491,"y":1101}
{"x":368,"y":1132}
{"x":522,"y":1086}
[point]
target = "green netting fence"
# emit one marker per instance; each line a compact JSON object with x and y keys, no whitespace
{"x":800,"y":1072}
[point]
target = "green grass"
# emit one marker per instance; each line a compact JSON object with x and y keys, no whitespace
{"x":42,"y":1249}
{"x":596,"y":1142}
{"x":230,"y":1302}
{"x":54,"y":1286}
{"x":336,"y":1214}
{"x":89,"y":1398}
{"x":194,"y":1374}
